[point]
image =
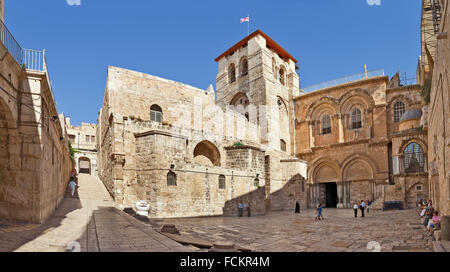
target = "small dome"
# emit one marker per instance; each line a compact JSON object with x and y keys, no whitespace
{"x":411,"y":114}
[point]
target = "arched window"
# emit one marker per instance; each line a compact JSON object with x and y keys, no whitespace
{"x":413,"y":158}
{"x":232,"y":73}
{"x":356,"y":118}
{"x":156,"y":113}
{"x":244,"y":66}
{"x":221,"y":182}
{"x":399,"y":110}
{"x":283,"y":145}
{"x":326,"y":124}
{"x":282,"y":76}
{"x":171,"y":179}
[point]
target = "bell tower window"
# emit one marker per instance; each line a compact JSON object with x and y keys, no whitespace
{"x":232,"y":73}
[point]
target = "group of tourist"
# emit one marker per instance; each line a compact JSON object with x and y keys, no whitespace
{"x":363,"y":206}
{"x":432,"y":220}
{"x":242,"y":206}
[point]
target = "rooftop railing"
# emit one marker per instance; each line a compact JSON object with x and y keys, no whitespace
{"x":343,"y":80}
{"x":8,"y":40}
{"x":34,"y":60}
{"x":31,"y":60}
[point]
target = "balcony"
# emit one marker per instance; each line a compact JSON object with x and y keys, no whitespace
{"x":32,"y":60}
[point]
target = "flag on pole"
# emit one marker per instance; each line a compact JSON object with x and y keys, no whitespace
{"x":246,"y":19}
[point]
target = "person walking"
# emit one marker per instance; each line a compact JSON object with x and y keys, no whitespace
{"x":368,"y":206}
{"x":72,"y":186}
{"x":363,"y":207}
{"x":355,"y":209}
{"x":297,"y":207}
{"x":319,"y":212}
{"x":240,"y":208}
{"x":248,"y":209}
{"x":73,"y":174}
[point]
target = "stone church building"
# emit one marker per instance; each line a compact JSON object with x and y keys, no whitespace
{"x":259,"y":138}
{"x":363,"y":140}
{"x":191,"y":154}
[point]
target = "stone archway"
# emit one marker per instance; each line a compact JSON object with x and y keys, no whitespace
{"x":84,"y":165}
{"x":8,"y":186}
{"x":206,"y":153}
{"x":358,"y":174}
{"x":324,"y":175}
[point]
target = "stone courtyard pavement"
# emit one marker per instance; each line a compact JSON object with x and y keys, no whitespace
{"x":88,"y":222}
{"x":339,"y":232}
{"x":92,"y":221}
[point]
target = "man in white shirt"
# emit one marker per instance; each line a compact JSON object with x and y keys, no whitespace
{"x":363,"y":206}
{"x":73,"y":186}
{"x":355,"y":208}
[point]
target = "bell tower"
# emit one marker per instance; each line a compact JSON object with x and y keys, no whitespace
{"x":257,"y":71}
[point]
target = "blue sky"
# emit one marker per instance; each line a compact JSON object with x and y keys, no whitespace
{"x":179,"y":40}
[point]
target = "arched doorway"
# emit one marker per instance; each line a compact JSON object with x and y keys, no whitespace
{"x":331,"y":195}
{"x":324,"y":189}
{"x":84,"y":165}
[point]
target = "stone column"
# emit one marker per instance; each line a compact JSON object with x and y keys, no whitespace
{"x":346,"y":200}
{"x":341,"y":128}
{"x":311,"y":134}
{"x":317,"y":194}
{"x":118,"y":161}
{"x":340,"y":188}
{"x":313,"y":199}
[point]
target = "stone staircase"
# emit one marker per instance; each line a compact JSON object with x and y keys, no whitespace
{"x":68,"y":192}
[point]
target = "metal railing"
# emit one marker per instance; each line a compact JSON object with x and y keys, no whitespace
{"x":343,"y":80}
{"x":34,"y":60}
{"x":8,"y":40}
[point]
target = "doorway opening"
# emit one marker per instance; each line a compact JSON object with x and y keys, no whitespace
{"x":84,"y":165}
{"x":331,"y":195}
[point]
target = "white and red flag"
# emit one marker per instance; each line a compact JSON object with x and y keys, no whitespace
{"x":246,"y":19}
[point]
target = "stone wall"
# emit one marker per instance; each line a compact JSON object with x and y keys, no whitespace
{"x":197,"y":191}
{"x":438,"y":125}
{"x":35,"y":161}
